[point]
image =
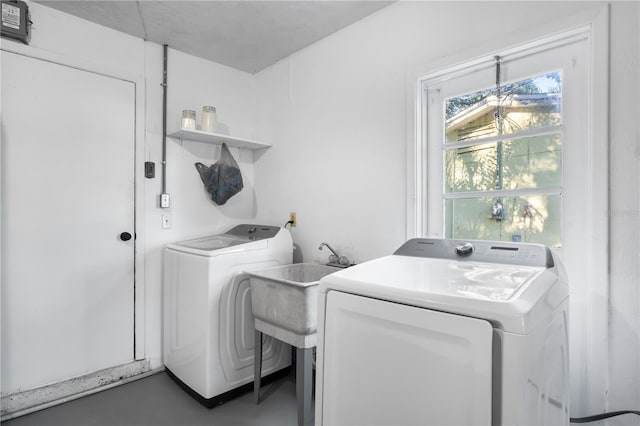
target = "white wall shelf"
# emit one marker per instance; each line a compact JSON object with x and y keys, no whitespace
{"x":216,"y":138}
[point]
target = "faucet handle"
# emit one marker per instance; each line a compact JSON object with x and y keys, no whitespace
{"x":343,"y":260}
{"x":333,"y":258}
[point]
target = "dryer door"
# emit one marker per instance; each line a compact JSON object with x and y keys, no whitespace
{"x":386,"y":363}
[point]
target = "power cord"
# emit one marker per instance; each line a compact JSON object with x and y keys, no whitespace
{"x":602,"y":416}
{"x":288,"y":223}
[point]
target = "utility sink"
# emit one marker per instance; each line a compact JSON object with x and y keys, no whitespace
{"x":284,"y":300}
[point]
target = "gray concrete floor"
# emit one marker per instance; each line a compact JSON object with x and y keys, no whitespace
{"x":158,"y":401}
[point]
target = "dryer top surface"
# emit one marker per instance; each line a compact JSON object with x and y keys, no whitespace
{"x":512,"y":297}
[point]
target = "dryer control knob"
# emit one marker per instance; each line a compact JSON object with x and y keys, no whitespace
{"x":464,"y":249}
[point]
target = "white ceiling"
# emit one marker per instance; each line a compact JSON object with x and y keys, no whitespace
{"x":246,"y":35}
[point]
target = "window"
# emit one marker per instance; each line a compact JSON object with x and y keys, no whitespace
{"x":502,"y":144}
{"x":503,"y":161}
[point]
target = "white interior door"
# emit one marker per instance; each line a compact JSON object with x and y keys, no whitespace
{"x":67,"y":195}
{"x":390,"y":364}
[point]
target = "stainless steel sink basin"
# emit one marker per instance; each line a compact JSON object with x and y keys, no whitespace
{"x":284,"y":300}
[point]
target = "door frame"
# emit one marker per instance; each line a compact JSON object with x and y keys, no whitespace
{"x":138,"y":80}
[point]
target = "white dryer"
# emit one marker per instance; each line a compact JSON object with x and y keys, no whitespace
{"x":208,"y":333}
{"x":445,"y":332}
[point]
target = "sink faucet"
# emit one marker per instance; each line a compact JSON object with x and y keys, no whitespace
{"x":335,"y":259}
{"x":329,"y":247}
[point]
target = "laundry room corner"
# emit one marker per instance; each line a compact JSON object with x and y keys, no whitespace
{"x":191,"y":84}
{"x":344,"y":177}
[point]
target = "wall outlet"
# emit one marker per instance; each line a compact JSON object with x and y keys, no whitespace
{"x":292,"y":218}
{"x":166,"y":221}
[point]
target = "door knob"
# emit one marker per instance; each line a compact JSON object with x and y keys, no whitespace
{"x":125,"y":236}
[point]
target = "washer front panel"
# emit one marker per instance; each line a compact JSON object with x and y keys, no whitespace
{"x":387,"y":363}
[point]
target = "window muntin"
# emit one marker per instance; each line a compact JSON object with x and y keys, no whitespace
{"x":529,"y":162}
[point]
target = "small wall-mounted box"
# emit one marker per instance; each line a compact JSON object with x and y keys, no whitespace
{"x":15,"y":20}
{"x":149,"y":169}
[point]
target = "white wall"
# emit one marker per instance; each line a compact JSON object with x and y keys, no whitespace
{"x":624,"y":210}
{"x":336,"y":113}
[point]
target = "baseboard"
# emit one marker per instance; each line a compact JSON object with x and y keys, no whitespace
{"x":29,"y":401}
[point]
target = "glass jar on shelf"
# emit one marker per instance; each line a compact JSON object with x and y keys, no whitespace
{"x":208,"y":119}
{"x":188,"y":119}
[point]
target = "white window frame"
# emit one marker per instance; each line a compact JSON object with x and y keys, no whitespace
{"x":533,"y":59}
{"x":425,"y":82}
{"x":590,"y":380}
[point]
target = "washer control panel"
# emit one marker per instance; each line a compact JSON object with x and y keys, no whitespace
{"x":254,"y":232}
{"x":478,"y":251}
{"x":464,"y":249}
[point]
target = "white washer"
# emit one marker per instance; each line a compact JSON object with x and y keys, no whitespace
{"x":445,"y":332}
{"x":208,"y":323}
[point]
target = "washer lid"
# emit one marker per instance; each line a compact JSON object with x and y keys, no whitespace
{"x":212,"y":242}
{"x":479,"y":280}
{"x":453,"y":279}
{"x":238,"y":239}
{"x":504,"y":294}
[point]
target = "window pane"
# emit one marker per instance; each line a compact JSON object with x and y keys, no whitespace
{"x":531,"y":219}
{"x":534,"y":162}
{"x":525,"y":104}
